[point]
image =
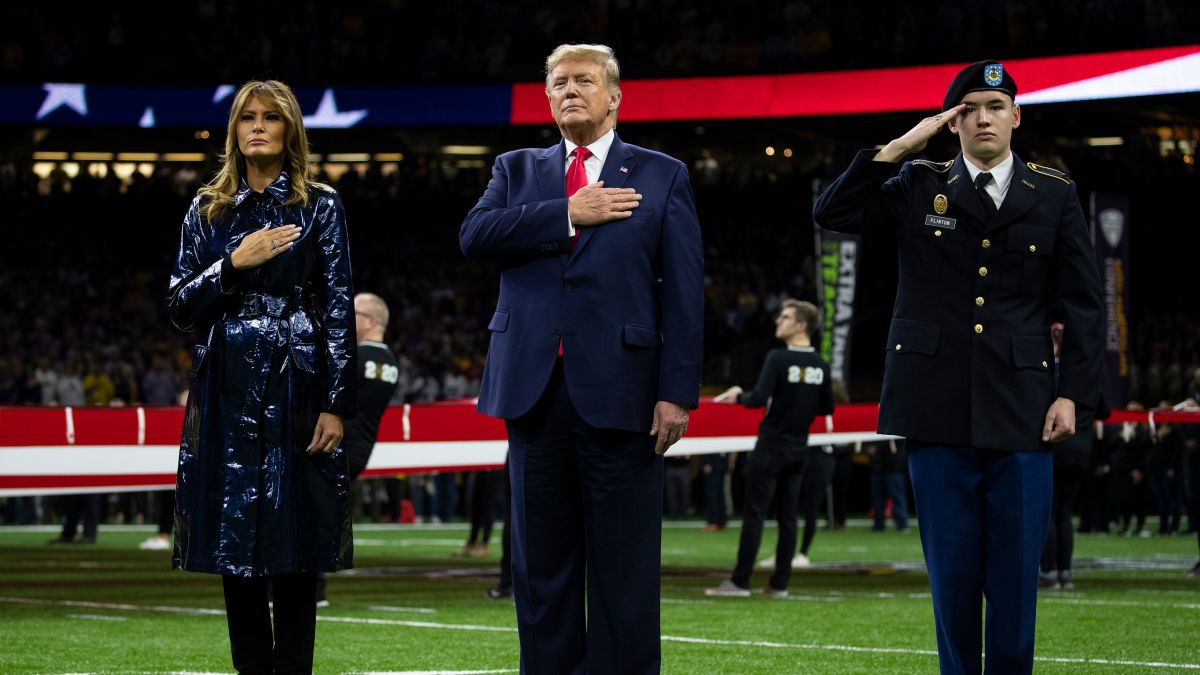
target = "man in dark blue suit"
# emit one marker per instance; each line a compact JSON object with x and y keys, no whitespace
{"x":986,"y":245}
{"x":594,"y":362}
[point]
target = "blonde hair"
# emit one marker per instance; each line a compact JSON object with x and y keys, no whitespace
{"x":601,"y":53}
{"x":806,"y":312}
{"x":375,"y":308}
{"x":279,"y":97}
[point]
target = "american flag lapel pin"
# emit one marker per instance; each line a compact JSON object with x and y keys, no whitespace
{"x":624,"y":169}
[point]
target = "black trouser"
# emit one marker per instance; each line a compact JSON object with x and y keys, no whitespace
{"x":506,"y":537}
{"x":716,"y":466}
{"x":772,"y":474}
{"x":1060,"y":538}
{"x":256,"y":649}
{"x":1134,"y":498}
{"x":166,"y":511}
{"x":84,"y":507}
{"x":817,"y":479}
{"x":483,"y":501}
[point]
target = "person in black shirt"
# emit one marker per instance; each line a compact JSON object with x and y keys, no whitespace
{"x":377,"y":380}
{"x":377,"y":377}
{"x":796,"y":387}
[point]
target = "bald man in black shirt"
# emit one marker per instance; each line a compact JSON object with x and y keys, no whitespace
{"x":377,"y":380}
{"x":795,"y":386}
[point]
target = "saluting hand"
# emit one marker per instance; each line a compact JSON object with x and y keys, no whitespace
{"x":595,"y":204}
{"x":260,"y":246}
{"x":1060,"y":421}
{"x":917,"y":137}
{"x":327,"y":435}
{"x":670,"y":424}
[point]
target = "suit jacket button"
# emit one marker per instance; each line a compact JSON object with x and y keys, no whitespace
{"x":1032,"y":248}
{"x":568,"y":287}
{"x":978,"y":328}
{"x":979,"y":301}
{"x":985,"y":243}
{"x":1045,"y":365}
{"x":983,"y":271}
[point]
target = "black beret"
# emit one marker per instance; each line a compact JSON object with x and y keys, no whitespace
{"x":982,"y":76}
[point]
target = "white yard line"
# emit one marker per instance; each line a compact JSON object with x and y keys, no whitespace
{"x":390,"y":608}
{"x":665,"y":638}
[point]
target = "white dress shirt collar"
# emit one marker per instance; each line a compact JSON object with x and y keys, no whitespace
{"x":599,"y":147}
{"x":1002,"y":175}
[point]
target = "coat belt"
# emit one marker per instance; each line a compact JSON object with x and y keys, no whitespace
{"x":265,"y":304}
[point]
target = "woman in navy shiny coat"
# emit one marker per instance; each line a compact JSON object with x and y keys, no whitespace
{"x":264,"y":272}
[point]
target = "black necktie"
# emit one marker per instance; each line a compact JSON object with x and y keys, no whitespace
{"x":989,"y":206}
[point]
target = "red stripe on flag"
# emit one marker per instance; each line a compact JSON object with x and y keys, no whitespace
{"x":17,"y":482}
{"x":829,"y":93}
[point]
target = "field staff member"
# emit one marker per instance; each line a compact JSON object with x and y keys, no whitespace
{"x":594,"y":362}
{"x":986,"y":244}
{"x":796,"y":387}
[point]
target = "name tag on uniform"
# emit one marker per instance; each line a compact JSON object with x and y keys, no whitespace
{"x":938,"y":221}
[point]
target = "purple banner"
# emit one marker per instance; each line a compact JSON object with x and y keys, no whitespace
{"x":1110,"y":234}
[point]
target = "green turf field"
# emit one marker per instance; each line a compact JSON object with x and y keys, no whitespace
{"x":410,"y":606}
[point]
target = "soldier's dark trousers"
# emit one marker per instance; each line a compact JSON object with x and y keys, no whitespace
{"x":983,"y":516}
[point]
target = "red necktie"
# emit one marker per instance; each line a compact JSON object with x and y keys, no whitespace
{"x":576,"y":179}
{"x":576,"y":174}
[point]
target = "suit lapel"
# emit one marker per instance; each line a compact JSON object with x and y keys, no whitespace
{"x":1022,"y":195}
{"x":961,"y":190}
{"x":617,"y":167}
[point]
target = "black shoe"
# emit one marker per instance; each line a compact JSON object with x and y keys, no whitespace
{"x":1195,"y":571}
{"x":500,"y":592}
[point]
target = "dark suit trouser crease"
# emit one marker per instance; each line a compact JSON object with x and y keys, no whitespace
{"x":772,"y":476}
{"x":983,"y":516}
{"x":255,"y":646}
{"x":586,"y":512}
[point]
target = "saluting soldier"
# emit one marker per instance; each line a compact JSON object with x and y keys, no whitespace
{"x":986,"y":243}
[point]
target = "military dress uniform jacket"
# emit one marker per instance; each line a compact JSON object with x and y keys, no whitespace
{"x":280,"y":350}
{"x":969,"y":355}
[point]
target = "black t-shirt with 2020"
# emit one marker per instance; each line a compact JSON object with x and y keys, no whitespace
{"x":795,"y":386}
{"x":377,"y":378}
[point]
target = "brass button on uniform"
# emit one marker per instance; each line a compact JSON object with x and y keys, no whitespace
{"x":979,"y":301}
{"x":1032,"y":248}
{"x":1045,"y":365}
{"x":937,"y":233}
{"x":897,"y":347}
{"x":983,"y":271}
{"x":986,"y":243}
{"x":978,"y":328}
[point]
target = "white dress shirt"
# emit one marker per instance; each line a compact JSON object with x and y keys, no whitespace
{"x":592,"y":166}
{"x":1002,"y":175}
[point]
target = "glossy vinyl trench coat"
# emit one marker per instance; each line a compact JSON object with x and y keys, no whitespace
{"x":280,"y":349}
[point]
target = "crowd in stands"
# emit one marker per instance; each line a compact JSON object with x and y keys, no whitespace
{"x":397,"y":41}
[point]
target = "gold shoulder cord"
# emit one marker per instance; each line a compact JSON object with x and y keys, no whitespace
{"x":940,"y":167}
{"x":1047,"y":171}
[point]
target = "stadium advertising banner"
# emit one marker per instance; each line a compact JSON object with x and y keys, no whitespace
{"x":837,"y":272}
{"x":1080,"y":77}
{"x":1110,"y":233}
